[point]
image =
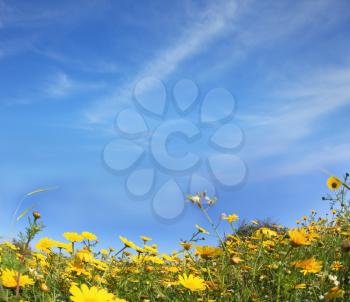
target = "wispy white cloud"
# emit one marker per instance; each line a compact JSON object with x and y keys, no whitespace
{"x":322,"y":158}
{"x":92,"y":66}
{"x":61,"y":85}
{"x":287,"y":130}
{"x":214,"y":21}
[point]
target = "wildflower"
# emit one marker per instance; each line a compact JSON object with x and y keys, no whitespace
{"x":89,"y":236}
{"x":145,"y":239}
{"x":191,"y":282}
{"x":336,"y":266}
{"x":208,"y":251}
{"x":73,"y":236}
{"x":150,"y":249}
{"x":300,"y":286}
{"x":127,"y":242}
{"x":44,"y":287}
{"x":201,"y":230}
{"x":298,"y":237}
{"x":45,"y":244}
{"x":104,"y":252}
{"x":230,"y":218}
{"x":186,"y":245}
{"x":211,"y":201}
{"x":93,"y":294}
{"x":195,"y":199}
{"x":334,"y":293}
{"x":334,"y":183}
{"x":236,"y":260}
{"x":11,"y":246}
{"x":264,"y":233}
{"x":9,"y":279}
{"x":310,"y":265}
{"x":84,"y":255}
{"x":36,"y":215}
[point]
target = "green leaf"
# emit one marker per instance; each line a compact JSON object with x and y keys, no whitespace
{"x":40,"y":190}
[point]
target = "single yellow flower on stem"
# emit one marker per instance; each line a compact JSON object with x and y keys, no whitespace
{"x":201,"y":230}
{"x":230,"y":218}
{"x":298,"y":237}
{"x":73,"y":236}
{"x":9,"y":279}
{"x":145,"y":238}
{"x":93,"y":294}
{"x":334,"y":293}
{"x":192,"y":283}
{"x":300,"y":286}
{"x":310,"y":265}
{"x":208,"y":251}
{"x":89,"y":236}
{"x":264,"y":233}
{"x":334,"y":183}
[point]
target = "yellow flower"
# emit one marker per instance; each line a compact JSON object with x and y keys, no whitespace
{"x":9,"y":279}
{"x":89,"y":236}
{"x":201,"y":230}
{"x":186,"y":245}
{"x":66,"y":246}
{"x":93,"y":294}
{"x":236,"y":260}
{"x":150,"y":249}
{"x":334,"y":293}
{"x":336,"y":266}
{"x":85,"y":255}
{"x":300,"y":286}
{"x":264,"y":233}
{"x":11,"y":246}
{"x":310,"y":265}
{"x":191,"y":282}
{"x":145,"y":238}
{"x":334,"y":183}
{"x":208,"y":251}
{"x":230,"y":218}
{"x":298,"y":237}
{"x":45,"y":244}
{"x":78,"y":268}
{"x":73,"y":236}
{"x":127,"y":242}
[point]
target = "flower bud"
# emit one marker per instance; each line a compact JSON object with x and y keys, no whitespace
{"x":36,"y":215}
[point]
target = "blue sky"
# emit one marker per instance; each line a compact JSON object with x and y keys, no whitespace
{"x":67,"y":69}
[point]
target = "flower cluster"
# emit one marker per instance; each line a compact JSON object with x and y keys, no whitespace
{"x":253,"y":262}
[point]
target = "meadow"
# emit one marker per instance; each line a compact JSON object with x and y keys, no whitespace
{"x":256,"y":261}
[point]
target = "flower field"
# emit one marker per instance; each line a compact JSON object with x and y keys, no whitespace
{"x":255,"y":262}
